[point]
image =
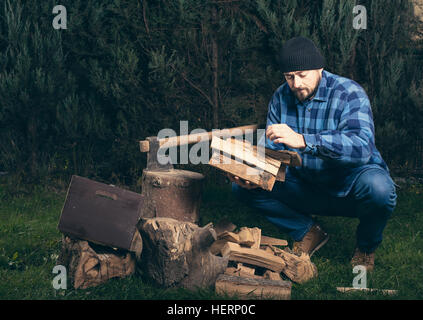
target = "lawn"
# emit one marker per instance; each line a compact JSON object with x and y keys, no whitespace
{"x":30,"y":243}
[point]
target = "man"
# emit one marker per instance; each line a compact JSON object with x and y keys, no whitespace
{"x":328,"y":120}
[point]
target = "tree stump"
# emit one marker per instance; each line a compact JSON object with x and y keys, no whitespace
{"x":173,"y":193}
{"x":176,"y":253}
{"x":89,"y":265}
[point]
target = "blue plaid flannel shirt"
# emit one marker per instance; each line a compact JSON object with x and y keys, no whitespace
{"x":337,"y":125}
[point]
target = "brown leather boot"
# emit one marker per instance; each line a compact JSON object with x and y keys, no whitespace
{"x":363,"y":259}
{"x":314,"y":239}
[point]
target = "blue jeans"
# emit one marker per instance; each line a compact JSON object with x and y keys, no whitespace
{"x":291,"y":204}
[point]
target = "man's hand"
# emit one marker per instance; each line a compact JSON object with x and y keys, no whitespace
{"x":281,"y":133}
{"x":243,"y":183}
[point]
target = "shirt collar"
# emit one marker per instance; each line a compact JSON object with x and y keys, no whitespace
{"x":321,"y":93}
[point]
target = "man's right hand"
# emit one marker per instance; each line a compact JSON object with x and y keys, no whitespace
{"x":241,"y":182}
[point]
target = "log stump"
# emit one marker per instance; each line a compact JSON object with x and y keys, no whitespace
{"x":173,"y":193}
{"x":177,"y":253}
{"x":89,"y":265}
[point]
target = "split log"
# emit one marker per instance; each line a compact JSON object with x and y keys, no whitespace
{"x":272,"y":241}
{"x":297,"y":268}
{"x":242,"y":271}
{"x":89,"y":265}
{"x":258,"y":165}
{"x":247,"y":272}
{"x":256,"y":257}
{"x":229,"y":236}
{"x":244,"y":153}
{"x":224,"y":225}
{"x":259,"y":177}
{"x":177,"y":253}
{"x":272,"y":275}
{"x":174,"y":194}
{"x":250,"y":237}
{"x":248,"y":288}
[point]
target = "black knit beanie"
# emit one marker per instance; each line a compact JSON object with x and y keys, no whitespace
{"x":299,"y":54}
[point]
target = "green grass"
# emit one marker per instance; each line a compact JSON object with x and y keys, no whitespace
{"x":30,"y":243}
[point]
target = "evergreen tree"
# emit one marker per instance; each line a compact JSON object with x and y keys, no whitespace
{"x":33,"y":84}
{"x":78,"y":100}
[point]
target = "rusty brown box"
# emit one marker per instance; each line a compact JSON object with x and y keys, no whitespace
{"x":101,"y":213}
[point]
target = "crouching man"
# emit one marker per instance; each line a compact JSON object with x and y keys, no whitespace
{"x":328,"y":120}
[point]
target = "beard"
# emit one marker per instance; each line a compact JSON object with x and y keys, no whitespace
{"x":305,"y":94}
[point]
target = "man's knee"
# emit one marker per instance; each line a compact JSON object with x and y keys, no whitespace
{"x":254,"y":197}
{"x":377,"y":189}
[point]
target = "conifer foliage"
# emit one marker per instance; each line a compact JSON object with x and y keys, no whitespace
{"x":76,"y":101}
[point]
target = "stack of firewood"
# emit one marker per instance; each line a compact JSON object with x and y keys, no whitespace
{"x":257,"y":264}
{"x":105,"y":235}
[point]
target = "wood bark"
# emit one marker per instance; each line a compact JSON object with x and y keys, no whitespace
{"x":265,"y":240}
{"x":177,"y":253}
{"x":253,"y":288}
{"x":89,"y":265}
{"x":174,"y":194}
{"x":297,"y":268}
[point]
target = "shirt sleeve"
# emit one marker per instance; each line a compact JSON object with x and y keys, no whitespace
{"x":352,"y":142}
{"x":273,"y":117}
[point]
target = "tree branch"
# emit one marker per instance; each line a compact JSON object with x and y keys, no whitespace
{"x":193,"y":85}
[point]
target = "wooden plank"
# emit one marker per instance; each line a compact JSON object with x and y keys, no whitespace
{"x":251,"y":288}
{"x":265,"y":240}
{"x":102,"y":214}
{"x":239,"y":272}
{"x":198,"y":137}
{"x":272,"y":275}
{"x":250,"y":237}
{"x":229,"y":236}
{"x":256,"y":257}
{"x":290,"y":158}
{"x":224,"y":225}
{"x":259,"y":177}
{"x":281,"y":173}
{"x":245,"y":237}
{"x":295,"y":159}
{"x":259,"y":153}
{"x":243,"y":155}
{"x":246,"y":269}
{"x":282,"y":156}
{"x":257,"y":237}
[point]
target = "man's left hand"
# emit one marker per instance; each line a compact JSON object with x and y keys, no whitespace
{"x":281,"y":133}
